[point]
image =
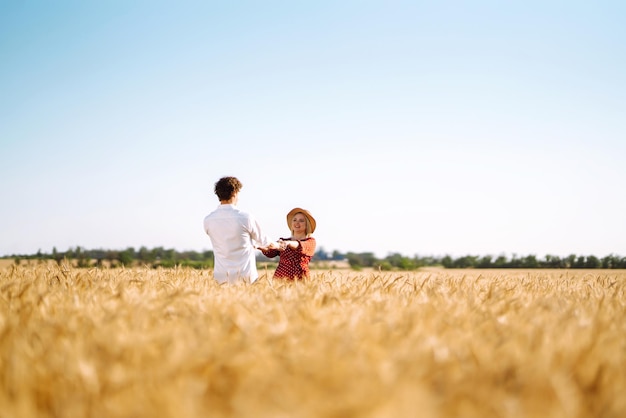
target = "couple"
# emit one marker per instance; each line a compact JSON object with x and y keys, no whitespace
{"x":235,"y":235}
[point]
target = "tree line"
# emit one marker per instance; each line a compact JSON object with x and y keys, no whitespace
{"x":155,"y":257}
{"x":162,"y":257}
{"x":400,"y":262}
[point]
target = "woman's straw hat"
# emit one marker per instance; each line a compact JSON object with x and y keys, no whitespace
{"x":305,"y":212}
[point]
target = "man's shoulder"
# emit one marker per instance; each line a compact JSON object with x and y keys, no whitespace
{"x":243,"y":214}
{"x":229,"y":211}
{"x":237,"y":209}
{"x":212,"y":214}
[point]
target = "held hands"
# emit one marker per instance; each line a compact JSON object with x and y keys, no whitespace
{"x":278,"y":245}
{"x":275,"y":245}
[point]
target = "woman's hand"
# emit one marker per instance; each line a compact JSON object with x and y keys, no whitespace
{"x":270,"y":246}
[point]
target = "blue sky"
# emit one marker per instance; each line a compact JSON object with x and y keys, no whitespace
{"x":428,"y":128}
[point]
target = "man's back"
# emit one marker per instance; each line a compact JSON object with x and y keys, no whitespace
{"x":234,"y":234}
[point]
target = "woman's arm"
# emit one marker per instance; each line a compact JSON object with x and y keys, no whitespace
{"x":269,"y":252}
{"x":272,"y":250}
{"x":307,"y":246}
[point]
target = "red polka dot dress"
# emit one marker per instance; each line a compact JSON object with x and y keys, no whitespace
{"x":294,"y":262}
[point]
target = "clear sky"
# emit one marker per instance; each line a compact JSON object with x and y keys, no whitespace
{"x":417,"y":127}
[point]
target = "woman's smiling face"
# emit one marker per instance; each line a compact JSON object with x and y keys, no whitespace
{"x":298,"y":223}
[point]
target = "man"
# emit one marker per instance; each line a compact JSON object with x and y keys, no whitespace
{"x":234,"y":234}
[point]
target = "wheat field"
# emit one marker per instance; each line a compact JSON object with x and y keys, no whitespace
{"x":172,"y":343}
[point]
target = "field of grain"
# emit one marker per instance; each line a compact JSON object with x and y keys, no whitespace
{"x":172,"y":343}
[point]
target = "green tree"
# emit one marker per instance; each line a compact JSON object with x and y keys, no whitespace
{"x":501,"y":262}
{"x":579,"y":263}
{"x":466,"y":261}
{"x":146,"y":256}
{"x":56,"y":256}
{"x":570,"y":261}
{"x":529,"y":262}
{"x":399,"y":261}
{"x":484,"y":262}
{"x":592,"y":262}
{"x":553,"y":261}
{"x":82,"y":258}
{"x":126,"y":257}
{"x":361,"y":260}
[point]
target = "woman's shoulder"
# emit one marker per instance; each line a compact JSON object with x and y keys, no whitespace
{"x":303,"y":239}
{"x":310,"y":240}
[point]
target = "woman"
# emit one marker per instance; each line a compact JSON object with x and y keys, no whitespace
{"x":297,"y":250}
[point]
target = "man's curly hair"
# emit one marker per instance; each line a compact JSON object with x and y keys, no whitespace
{"x":226,"y":187}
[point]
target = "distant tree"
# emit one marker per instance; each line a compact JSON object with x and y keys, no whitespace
{"x":146,"y":256}
{"x":466,"y":261}
{"x":112,"y":257}
{"x":157,"y":253}
{"x":169,"y":255}
{"x":553,"y":261}
{"x":570,"y":261}
{"x":384,"y":265}
{"x":399,"y":261}
{"x":126,"y":257}
{"x":426,"y":261}
{"x":98,"y":255}
{"x":484,"y":262}
{"x":579,"y":263}
{"x":207,"y":255}
{"x":607,"y":262}
{"x":361,"y":260}
{"x":355,"y":261}
{"x":592,"y":262}
{"x":82,"y":258}
{"x":501,"y":262}
{"x":515,"y":262}
{"x":613,"y":261}
{"x":56,"y":256}
{"x":447,"y":262}
{"x":529,"y":262}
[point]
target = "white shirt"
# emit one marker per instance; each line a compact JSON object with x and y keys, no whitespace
{"x":234,"y":235}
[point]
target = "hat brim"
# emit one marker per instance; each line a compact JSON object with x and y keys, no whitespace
{"x":306,"y":213}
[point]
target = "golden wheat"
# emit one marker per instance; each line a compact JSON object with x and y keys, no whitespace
{"x":173,"y":343}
